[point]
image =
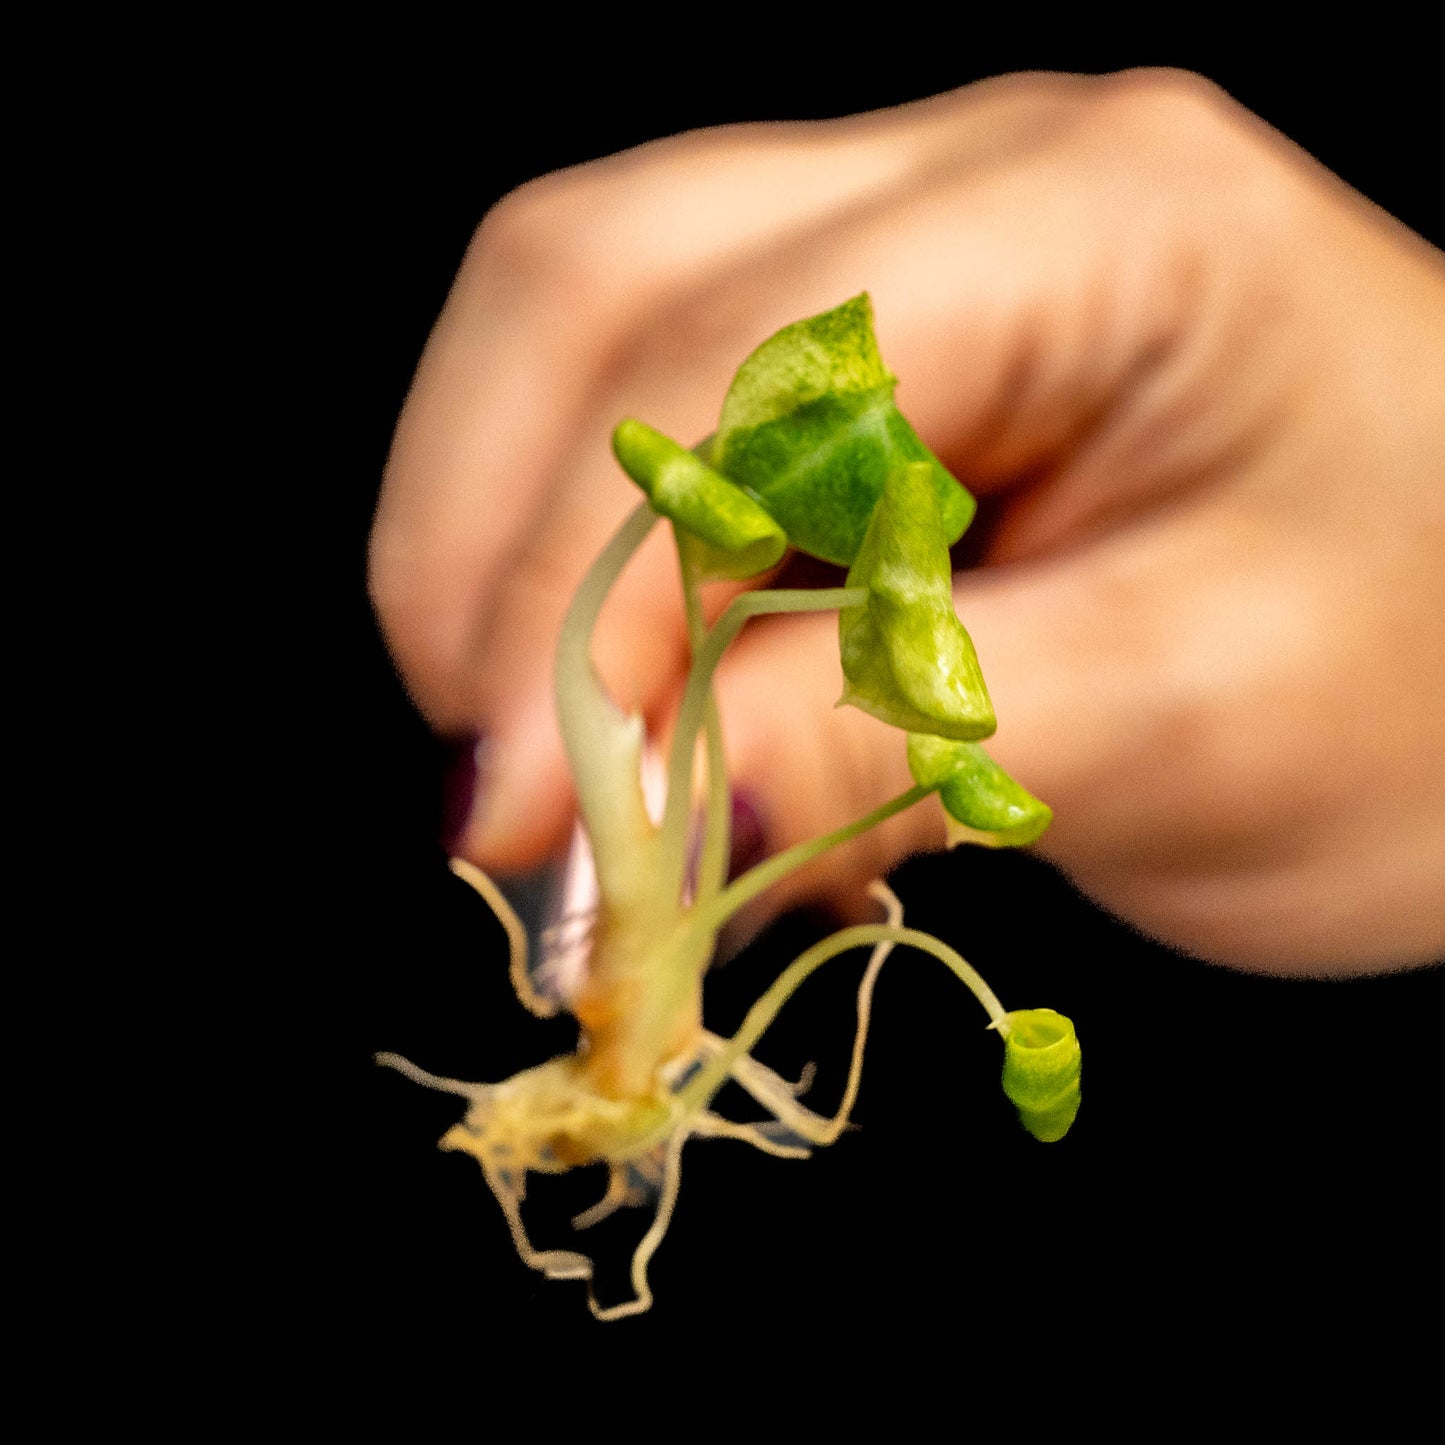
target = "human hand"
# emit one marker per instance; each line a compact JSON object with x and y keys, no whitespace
{"x":1199,"y":387}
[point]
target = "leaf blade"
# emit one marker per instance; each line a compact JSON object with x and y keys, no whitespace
{"x":906,"y":657}
{"x":810,"y":428}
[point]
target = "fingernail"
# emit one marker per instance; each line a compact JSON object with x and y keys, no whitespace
{"x":460,"y":786}
{"x":749,"y":837}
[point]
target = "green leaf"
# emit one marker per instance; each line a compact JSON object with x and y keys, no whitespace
{"x":906,"y":657}
{"x":834,"y":353}
{"x":810,"y":428}
{"x":1041,"y":1071}
{"x":739,"y":538}
{"x":985,"y":805}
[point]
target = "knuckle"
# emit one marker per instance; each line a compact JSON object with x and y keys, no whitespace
{"x":1163,"y":96}
{"x":1036,"y":87}
{"x":541,"y":240}
{"x":519,"y":234}
{"x":1179,"y":130}
{"x":1171,"y":111}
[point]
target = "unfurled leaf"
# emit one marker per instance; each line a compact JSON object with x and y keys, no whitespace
{"x":1041,"y":1071}
{"x":740,"y":538}
{"x":809,"y":427}
{"x":906,"y":657}
{"x":984,"y":804}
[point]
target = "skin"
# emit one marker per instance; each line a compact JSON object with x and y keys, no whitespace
{"x":1198,"y":385}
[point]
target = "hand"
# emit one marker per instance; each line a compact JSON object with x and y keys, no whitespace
{"x":1199,"y":388}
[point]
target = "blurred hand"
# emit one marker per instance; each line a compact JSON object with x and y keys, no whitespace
{"x":1199,"y":387}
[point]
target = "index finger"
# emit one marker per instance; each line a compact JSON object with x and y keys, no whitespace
{"x":558,"y":280}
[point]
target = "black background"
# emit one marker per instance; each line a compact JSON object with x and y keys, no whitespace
{"x":1253,"y":1161}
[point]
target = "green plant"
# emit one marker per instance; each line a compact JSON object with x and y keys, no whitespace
{"x":810,"y":453}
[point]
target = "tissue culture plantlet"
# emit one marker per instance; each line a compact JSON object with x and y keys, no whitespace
{"x":810,"y":453}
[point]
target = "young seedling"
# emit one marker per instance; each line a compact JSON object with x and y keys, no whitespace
{"x":810,"y":453}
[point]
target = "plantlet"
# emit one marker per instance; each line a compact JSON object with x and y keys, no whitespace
{"x":810,"y":453}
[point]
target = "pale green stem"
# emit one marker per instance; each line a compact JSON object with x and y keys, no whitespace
{"x":712,"y":915}
{"x":699,"y":690}
{"x":603,"y":744}
{"x":717,"y":815}
{"x":714,"y":1072}
{"x":712,"y":866}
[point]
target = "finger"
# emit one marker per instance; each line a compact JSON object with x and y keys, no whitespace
{"x":1083,"y":656}
{"x":549,"y":307}
{"x":672,"y":372}
{"x":1110,"y":378}
{"x":1026,"y":355}
{"x":1121,"y":703}
{"x":1177,"y":692}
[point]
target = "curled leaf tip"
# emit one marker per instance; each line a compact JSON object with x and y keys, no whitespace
{"x":906,"y":657}
{"x":809,"y":426}
{"x":1041,"y":1068}
{"x":736,"y":537}
{"x":984,"y":804}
